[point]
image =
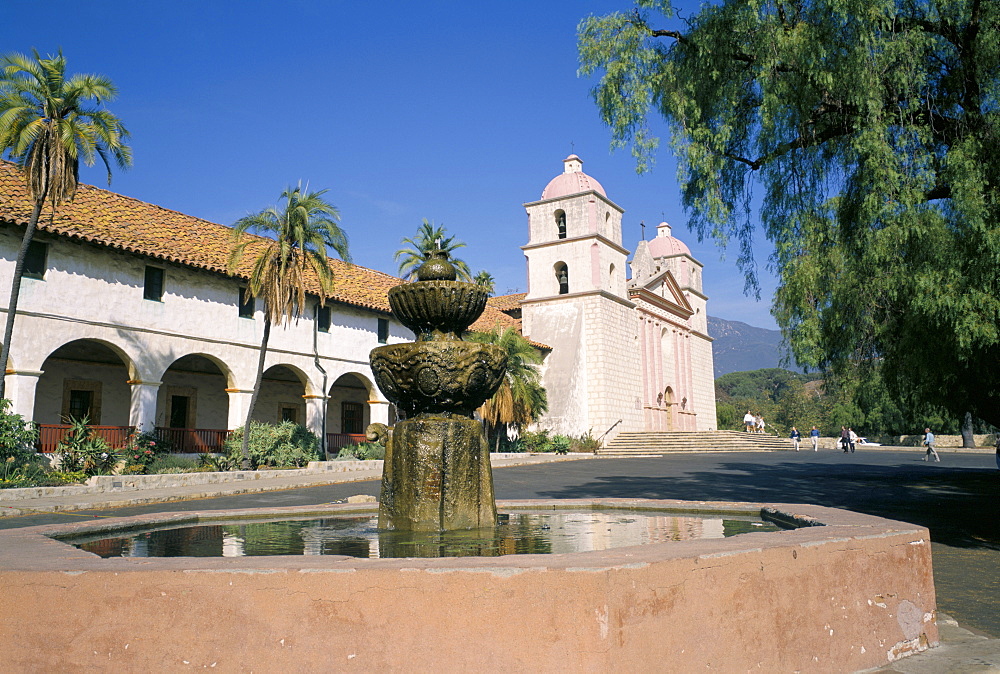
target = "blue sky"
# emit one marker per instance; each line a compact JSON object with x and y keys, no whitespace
{"x":458,"y":112}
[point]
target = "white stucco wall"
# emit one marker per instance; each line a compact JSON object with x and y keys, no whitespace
{"x":94,"y":293}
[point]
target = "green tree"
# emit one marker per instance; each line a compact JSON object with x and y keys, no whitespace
{"x":868,"y":130}
{"x":521,"y":398}
{"x":428,"y":239}
{"x":486,"y":280}
{"x":303,"y":226}
{"x":47,"y":126}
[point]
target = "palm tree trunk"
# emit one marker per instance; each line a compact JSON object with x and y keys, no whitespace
{"x":15,"y":292}
{"x":256,"y":390}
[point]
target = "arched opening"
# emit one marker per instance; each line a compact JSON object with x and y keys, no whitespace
{"x":562,"y":277}
{"x":281,"y":396}
{"x":192,"y":406}
{"x":561,"y":223}
{"x":611,"y":276}
{"x":668,"y":402}
{"x":348,"y":412}
{"x":84,"y":379}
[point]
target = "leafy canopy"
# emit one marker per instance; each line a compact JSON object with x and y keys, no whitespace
{"x":866,"y":130}
{"x":303,"y":226}
{"x":49,"y":123}
{"x":521,"y":398}
{"x":427,"y":240}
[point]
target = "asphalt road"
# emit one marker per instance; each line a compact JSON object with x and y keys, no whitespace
{"x":958,"y":500}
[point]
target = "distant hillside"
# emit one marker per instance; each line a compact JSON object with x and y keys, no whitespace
{"x":739,"y":347}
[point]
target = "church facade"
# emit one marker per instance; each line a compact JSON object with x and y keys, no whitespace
{"x":628,"y":354}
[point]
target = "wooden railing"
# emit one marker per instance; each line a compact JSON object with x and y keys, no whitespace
{"x":49,"y":435}
{"x":193,"y":440}
{"x":337,"y":441}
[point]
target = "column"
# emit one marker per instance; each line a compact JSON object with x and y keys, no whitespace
{"x":142,"y":409}
{"x":239,"y":403}
{"x":378,"y":411}
{"x":21,"y":385}
{"x":315,"y":406}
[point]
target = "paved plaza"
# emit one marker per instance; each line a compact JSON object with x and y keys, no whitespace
{"x":957,"y":500}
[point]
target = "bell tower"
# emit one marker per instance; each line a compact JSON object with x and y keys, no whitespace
{"x":578,"y":304}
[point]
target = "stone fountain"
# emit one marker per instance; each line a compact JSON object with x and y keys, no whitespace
{"x":437,"y":474}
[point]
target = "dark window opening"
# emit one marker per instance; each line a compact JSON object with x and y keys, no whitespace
{"x":179,"y":411}
{"x":323,"y":319}
{"x":247,"y":304}
{"x":153,"y":288}
{"x":561,"y":224}
{"x":35,"y":260}
{"x":352,"y":416}
{"x":290,"y":413}
{"x":383,"y":330}
{"x":81,"y":405}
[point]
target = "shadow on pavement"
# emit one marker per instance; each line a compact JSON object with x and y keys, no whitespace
{"x":957,"y":505}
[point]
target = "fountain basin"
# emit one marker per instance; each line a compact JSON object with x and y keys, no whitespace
{"x":852,"y":594}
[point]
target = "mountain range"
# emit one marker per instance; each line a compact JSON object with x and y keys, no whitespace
{"x":739,"y":347}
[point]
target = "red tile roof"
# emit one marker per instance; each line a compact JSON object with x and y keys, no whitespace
{"x":116,"y":221}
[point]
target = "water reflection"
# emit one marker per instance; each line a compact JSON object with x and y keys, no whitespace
{"x":540,"y":532}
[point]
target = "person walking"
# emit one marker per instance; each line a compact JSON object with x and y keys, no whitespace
{"x":929,"y":443}
{"x":845,"y":439}
{"x":796,"y":437}
{"x":814,"y":436}
{"x":748,"y":421}
{"x":852,"y":437}
{"x":760,"y":423}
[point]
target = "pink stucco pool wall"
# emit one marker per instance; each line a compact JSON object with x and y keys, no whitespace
{"x":850,"y":595}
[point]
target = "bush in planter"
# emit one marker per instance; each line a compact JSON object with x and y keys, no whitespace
{"x":140,"y":453}
{"x":364,"y":451}
{"x":17,"y":436}
{"x":284,"y":445}
{"x":586,"y":443}
{"x":83,"y":451}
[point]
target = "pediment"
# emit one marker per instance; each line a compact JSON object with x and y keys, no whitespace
{"x":662,"y":289}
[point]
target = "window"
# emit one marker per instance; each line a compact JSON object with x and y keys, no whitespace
{"x":289,"y":413}
{"x":81,"y":399}
{"x":352,"y":416}
{"x":35,"y":260}
{"x":81,"y":404}
{"x":246,"y":302}
{"x":153,"y":288}
{"x":383,"y":330}
{"x":323,"y":319}
{"x":561,"y":224}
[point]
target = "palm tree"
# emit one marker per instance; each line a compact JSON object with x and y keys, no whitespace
{"x":486,"y":280}
{"x":47,"y":125}
{"x":521,"y":398}
{"x":303,"y":227}
{"x":429,"y":239}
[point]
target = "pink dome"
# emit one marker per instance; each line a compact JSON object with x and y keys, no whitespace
{"x":665,"y":245}
{"x":572,"y":181}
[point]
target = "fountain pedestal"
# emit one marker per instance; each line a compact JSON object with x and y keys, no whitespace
{"x":437,"y":475}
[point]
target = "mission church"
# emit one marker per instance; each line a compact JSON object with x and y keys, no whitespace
{"x":129,"y":316}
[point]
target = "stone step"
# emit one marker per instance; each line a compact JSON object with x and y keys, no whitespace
{"x":654,"y":443}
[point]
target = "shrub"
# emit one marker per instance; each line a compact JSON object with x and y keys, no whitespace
{"x":169,"y":463}
{"x":586,"y":443}
{"x":363,"y":451}
{"x":281,"y":445}
{"x":140,"y":453}
{"x":17,"y":436}
{"x":82,"y":451}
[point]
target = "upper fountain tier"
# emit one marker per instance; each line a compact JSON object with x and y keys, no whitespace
{"x":437,"y":306}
